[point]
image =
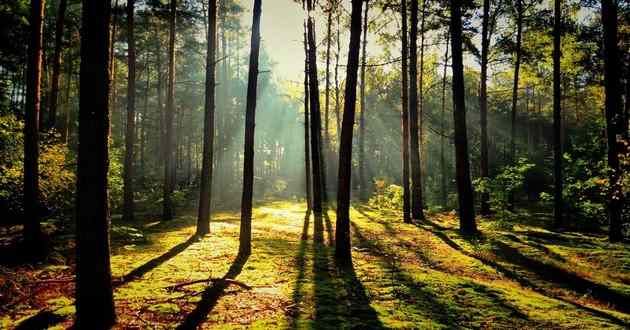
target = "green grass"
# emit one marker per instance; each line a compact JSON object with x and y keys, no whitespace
{"x":423,"y":275}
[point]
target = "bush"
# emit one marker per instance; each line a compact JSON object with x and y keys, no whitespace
{"x":386,"y":196}
{"x":509,"y":181}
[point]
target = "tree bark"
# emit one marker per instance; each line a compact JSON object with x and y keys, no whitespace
{"x":130,"y":136}
{"x":443,"y":189}
{"x":245,"y":239}
{"x":416,"y":173}
{"x":307,"y":149}
{"x":203,"y":218}
{"x":467,"y":223}
{"x":483,"y":106}
{"x":169,"y":154}
{"x":557,"y":117}
{"x":94,"y":298}
{"x":342,"y":233}
{"x":363,"y":189}
{"x":517,"y":66}
{"x":613,"y":114}
{"x":405,"y":114}
{"x":54,"y":90}
{"x":32,"y":228}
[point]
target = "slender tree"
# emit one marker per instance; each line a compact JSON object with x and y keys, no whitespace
{"x":483,"y":105}
{"x":245,"y":246}
{"x":203,"y":218}
{"x":307,"y":149}
{"x":342,"y":233}
{"x":130,"y":136}
{"x":443,"y":191}
{"x":613,"y":114}
{"x":405,"y":114}
{"x":169,"y":154}
{"x":517,"y":67}
{"x":416,"y":173}
{"x":54,"y":89}
{"x":363,"y":185}
{"x":94,"y":297}
{"x":464,"y":186}
{"x":557,"y":117}
{"x":32,"y":229}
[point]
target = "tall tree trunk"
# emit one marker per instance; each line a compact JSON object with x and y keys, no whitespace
{"x":130,"y":136}
{"x":316,"y":130}
{"x":65,"y":129}
{"x":169,"y":154}
{"x":414,"y":146}
{"x":363,"y":192}
{"x":421,"y":142}
{"x":405,"y":114}
{"x":557,"y":117}
{"x":54,"y":90}
{"x":326,"y":142}
{"x":613,"y":114}
{"x":517,"y":67}
{"x":94,"y":297}
{"x":443,"y":189}
{"x":145,"y":113}
{"x":203,"y":218}
{"x":464,"y":186}
{"x":307,"y":149}
{"x":337,"y":103}
{"x":483,"y":106}
{"x":245,"y":239}
{"x":32,"y":228}
{"x":342,"y":233}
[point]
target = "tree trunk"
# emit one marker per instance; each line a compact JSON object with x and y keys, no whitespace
{"x":613,"y":114}
{"x":203,"y":218}
{"x":421,"y":142}
{"x":443,"y":189}
{"x":517,"y":66}
{"x":326,"y":143}
{"x":483,"y":106}
{"x":169,"y":154}
{"x":245,"y":239}
{"x":94,"y":298}
{"x":337,"y":103}
{"x":307,"y":149}
{"x":316,"y":130}
{"x":32,"y":228}
{"x":405,"y":114}
{"x":363,"y":189}
{"x":54,"y":90}
{"x":416,"y":173}
{"x":342,"y":233}
{"x":557,"y":117}
{"x":464,"y":186}
{"x":130,"y":136}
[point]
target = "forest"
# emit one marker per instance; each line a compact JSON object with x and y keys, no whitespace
{"x":314,"y":164}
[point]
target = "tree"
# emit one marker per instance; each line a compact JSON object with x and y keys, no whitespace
{"x":169,"y":153}
{"x":483,"y":105}
{"x":130,"y":135}
{"x":342,"y":233}
{"x":203,"y":218}
{"x":32,"y":229}
{"x":94,"y":297}
{"x":557,"y":118}
{"x":613,"y":109}
{"x":517,"y":67}
{"x":405,"y":113}
{"x":54,"y":89}
{"x":416,"y":171}
{"x":307,"y":150}
{"x":464,"y":186}
{"x":245,"y":239}
{"x":443,"y":191}
{"x":363,"y":193}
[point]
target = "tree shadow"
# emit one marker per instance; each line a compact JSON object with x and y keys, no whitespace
{"x":547,"y":272}
{"x":329,"y":228}
{"x":211,"y":295}
{"x":300,"y":263}
{"x":155,"y":262}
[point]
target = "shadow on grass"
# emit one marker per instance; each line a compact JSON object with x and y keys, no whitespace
{"x":211,"y":295}
{"x":300,"y":262}
{"x":155,"y":262}
{"x":547,"y":272}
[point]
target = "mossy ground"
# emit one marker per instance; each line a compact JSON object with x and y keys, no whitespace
{"x":424,"y":275}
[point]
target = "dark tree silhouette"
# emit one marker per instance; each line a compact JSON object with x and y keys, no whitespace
{"x":363,"y":185}
{"x":416,"y":171}
{"x":130,"y":135}
{"x":32,"y":228}
{"x":443,"y":191}
{"x":245,"y":247}
{"x":203,"y":217}
{"x":307,"y":149}
{"x":517,"y":67}
{"x":342,"y":232}
{"x":169,"y":153}
{"x":464,"y":186}
{"x":94,"y":298}
{"x":405,"y":114}
{"x":483,"y":105}
{"x":557,"y":117}
{"x":613,"y":114}
{"x":54,"y":88}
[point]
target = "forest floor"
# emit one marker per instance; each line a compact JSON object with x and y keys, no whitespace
{"x":424,"y":275}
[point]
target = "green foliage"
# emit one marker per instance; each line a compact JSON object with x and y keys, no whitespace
{"x":386,"y":196}
{"x":508,"y":182}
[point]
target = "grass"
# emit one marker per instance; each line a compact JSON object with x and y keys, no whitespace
{"x":424,"y":275}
